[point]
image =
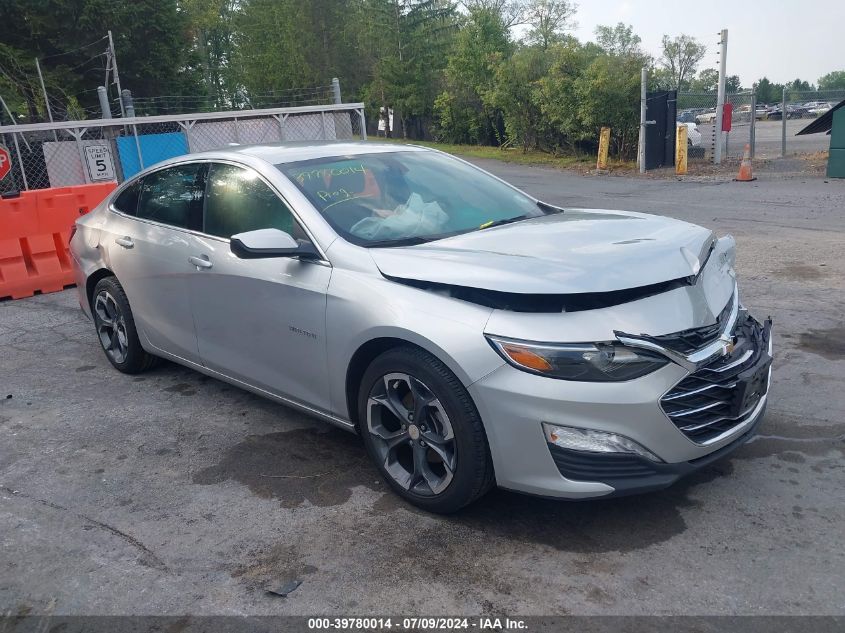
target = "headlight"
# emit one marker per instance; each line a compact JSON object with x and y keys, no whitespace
{"x":599,"y":362}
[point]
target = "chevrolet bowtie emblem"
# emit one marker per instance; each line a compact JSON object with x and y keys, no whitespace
{"x":729,"y":345}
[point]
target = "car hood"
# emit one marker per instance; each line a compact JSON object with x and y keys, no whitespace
{"x":577,"y":251}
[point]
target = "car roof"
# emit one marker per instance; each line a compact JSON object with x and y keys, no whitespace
{"x":289,"y":152}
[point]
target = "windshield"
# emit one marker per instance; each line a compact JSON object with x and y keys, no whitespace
{"x":396,"y":198}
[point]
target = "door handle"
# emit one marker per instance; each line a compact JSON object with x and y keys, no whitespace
{"x":200,"y":262}
{"x":125,"y":242}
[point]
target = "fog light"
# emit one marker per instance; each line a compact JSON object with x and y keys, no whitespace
{"x":591,"y":441}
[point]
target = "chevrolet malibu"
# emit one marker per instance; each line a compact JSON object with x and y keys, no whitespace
{"x":472,"y":335}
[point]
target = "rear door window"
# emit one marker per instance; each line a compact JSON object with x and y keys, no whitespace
{"x":174,"y":196}
{"x":127,"y":201}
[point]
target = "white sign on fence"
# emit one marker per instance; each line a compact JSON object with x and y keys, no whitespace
{"x":100,"y":164}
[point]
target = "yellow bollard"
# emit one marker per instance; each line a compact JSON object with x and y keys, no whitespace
{"x":681,"y":151}
{"x":604,"y":146}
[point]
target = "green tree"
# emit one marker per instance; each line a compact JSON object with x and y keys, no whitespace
{"x":464,"y":109}
{"x":733,"y":83}
{"x":548,"y":20}
{"x":410,"y":40}
{"x":833,"y":81}
{"x":151,"y":42}
{"x":211,"y":25}
{"x":618,"y":40}
{"x":511,"y":12}
{"x":608,"y":95}
{"x":708,"y":81}
{"x":680,"y":57}
{"x":562,"y":124}
{"x":269,"y":55}
{"x":768,"y":92}
{"x":799,"y":85}
{"x":517,"y":83}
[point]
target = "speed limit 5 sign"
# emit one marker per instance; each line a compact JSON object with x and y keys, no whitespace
{"x":99,"y":162}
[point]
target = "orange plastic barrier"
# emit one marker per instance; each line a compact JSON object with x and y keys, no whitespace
{"x":34,"y":236}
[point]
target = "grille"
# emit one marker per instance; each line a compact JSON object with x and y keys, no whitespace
{"x":694,"y":339}
{"x":702,"y":404}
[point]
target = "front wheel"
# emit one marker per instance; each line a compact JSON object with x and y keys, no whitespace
{"x":423,"y":431}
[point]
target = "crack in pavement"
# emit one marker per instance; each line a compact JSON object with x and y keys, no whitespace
{"x":152,"y":560}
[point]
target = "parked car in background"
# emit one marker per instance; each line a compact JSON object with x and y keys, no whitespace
{"x":774,"y":113}
{"x":693,"y":135}
{"x":686,"y":116}
{"x":820,"y":109}
{"x":706,"y":117}
{"x":799,"y":111}
{"x":471,"y":334}
{"x":744,"y":113}
{"x":793,"y":111}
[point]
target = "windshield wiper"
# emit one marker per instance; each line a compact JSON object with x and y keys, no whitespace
{"x":401,"y":241}
{"x":490,"y":225}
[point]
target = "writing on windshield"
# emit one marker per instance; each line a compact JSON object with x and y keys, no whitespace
{"x":405,"y":195}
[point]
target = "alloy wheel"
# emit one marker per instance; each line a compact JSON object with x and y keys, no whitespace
{"x":412,"y":434}
{"x":111,"y":326}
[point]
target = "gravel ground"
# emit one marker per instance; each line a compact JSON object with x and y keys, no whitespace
{"x":173,"y":493}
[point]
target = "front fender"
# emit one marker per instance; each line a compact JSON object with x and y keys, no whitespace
{"x":362,"y":307}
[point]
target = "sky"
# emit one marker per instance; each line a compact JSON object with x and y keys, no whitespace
{"x":780,"y":39}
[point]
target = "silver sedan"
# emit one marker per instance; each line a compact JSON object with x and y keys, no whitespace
{"x":471,"y":334}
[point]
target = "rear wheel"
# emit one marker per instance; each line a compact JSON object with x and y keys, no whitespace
{"x":421,"y":428}
{"x":116,"y":328}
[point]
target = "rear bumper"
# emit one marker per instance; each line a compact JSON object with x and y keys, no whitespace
{"x":80,"y":278}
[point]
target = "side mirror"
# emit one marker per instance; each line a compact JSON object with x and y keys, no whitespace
{"x":270,"y":243}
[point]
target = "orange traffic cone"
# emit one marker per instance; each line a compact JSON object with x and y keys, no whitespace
{"x":744,"y":174}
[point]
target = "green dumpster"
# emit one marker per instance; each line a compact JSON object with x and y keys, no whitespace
{"x":836,"y":162}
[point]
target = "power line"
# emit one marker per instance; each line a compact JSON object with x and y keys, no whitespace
{"x":105,"y":37}
{"x":88,"y":60}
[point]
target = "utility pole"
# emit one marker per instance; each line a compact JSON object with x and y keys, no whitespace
{"x":14,"y":122}
{"x":44,"y":90}
{"x":116,"y":76}
{"x":102,"y":94}
{"x":720,"y":98}
{"x":17,"y":146}
{"x":108,"y":68}
{"x":641,"y":145}
{"x":46,"y":100}
{"x":336,"y":90}
{"x":9,"y":112}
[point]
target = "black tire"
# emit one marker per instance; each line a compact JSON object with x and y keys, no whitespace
{"x":116,"y":330}
{"x":471,"y":475}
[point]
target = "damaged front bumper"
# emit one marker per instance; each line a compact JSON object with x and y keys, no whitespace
{"x":688,"y":414}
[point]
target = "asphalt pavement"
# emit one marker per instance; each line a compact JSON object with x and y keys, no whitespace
{"x":173,"y":493}
{"x":768,"y":139}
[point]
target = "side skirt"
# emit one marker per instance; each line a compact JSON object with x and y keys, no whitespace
{"x":325,"y":416}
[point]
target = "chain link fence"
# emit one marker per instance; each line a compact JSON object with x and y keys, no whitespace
{"x":78,"y":152}
{"x":698,"y":111}
{"x":801,"y":108}
{"x":186,"y":104}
